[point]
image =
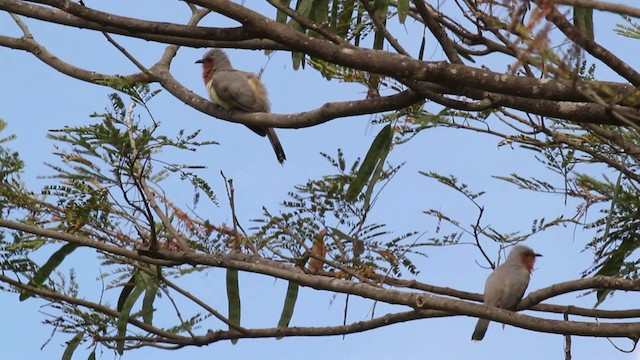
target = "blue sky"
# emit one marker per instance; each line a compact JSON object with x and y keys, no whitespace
{"x":35,"y":98}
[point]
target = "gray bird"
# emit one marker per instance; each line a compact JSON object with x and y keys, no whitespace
{"x":506,"y":285}
{"x":233,"y":89}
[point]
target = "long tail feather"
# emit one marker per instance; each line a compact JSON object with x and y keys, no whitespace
{"x":481,"y":329}
{"x":277,"y":147}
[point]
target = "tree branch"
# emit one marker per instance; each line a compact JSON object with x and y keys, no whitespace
{"x":417,"y":301}
{"x":592,"y":47}
{"x":604,"y":6}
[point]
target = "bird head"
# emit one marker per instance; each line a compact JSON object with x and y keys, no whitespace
{"x":212,"y":61}
{"x":524,"y":255}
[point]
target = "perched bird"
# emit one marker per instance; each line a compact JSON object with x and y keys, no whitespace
{"x":233,"y":89}
{"x":506,"y":284}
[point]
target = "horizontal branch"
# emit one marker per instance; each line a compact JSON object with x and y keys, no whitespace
{"x":327,"y":112}
{"x":418,"y":301}
{"x":577,"y":111}
{"x":374,"y":61}
{"x":534,"y":299}
{"x":587,"y":312}
{"x":596,"y":282}
{"x":356,"y":327}
{"x":618,"y":329}
{"x":138,"y":26}
{"x":404,"y":67}
{"x":181,"y":37}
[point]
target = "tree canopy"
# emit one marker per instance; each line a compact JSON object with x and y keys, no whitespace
{"x":528,"y":75}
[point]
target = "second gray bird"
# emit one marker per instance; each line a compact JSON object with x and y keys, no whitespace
{"x":506,"y":285}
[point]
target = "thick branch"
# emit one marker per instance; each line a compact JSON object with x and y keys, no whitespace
{"x":325,"y":113}
{"x":183,"y":36}
{"x":455,"y":76}
{"x":417,"y":301}
{"x":375,"y":61}
{"x":628,"y":330}
{"x":134,"y":25}
{"x":403,"y":67}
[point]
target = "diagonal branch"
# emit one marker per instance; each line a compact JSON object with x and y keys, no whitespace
{"x":592,"y":47}
{"x":56,"y":296}
{"x":617,"y":9}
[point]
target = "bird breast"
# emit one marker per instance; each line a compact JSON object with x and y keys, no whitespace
{"x":214,"y":96}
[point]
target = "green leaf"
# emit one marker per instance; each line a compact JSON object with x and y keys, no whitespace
{"x":320,"y":11}
{"x":375,"y":177}
{"x":233,"y":296}
{"x":613,"y":264}
{"x":303,"y":7}
{"x":583,"y":20}
{"x":423,"y":43}
{"x":344,"y":19}
{"x":381,"y":8}
{"x":126,"y":290}
{"x":92,"y":356}
{"x":123,"y":319}
{"x":359,"y":26}
{"x":289,"y":305}
{"x":615,"y":259}
{"x":403,"y":10}
{"x":43,"y":273}
{"x":377,"y":153}
{"x":281,"y":17}
{"x":71,"y":346}
{"x":151,"y":289}
{"x":298,"y":59}
{"x":333,"y":24}
{"x":467,"y":56}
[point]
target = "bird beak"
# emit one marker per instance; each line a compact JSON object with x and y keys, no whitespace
{"x":198,"y":62}
{"x":536,"y":254}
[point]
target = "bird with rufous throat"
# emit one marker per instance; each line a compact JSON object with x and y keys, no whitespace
{"x":233,"y":89}
{"x":506,"y":285}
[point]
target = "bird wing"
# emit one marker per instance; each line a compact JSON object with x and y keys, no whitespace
{"x":240,"y":90}
{"x":506,"y":285}
{"x":494,"y":288}
{"x":515,"y":286}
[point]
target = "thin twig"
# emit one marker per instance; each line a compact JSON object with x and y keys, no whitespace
{"x":311,"y":25}
{"x":23,"y":27}
{"x":383,"y":29}
{"x":567,"y":341}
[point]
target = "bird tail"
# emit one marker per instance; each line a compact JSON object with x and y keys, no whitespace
{"x":481,"y":329}
{"x":275,"y":143}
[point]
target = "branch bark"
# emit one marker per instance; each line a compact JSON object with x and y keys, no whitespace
{"x":418,"y":301}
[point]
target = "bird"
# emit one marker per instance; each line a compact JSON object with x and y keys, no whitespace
{"x":506,"y":285}
{"x":233,"y":89}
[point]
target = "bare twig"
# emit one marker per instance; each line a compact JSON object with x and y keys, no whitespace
{"x":567,"y":342}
